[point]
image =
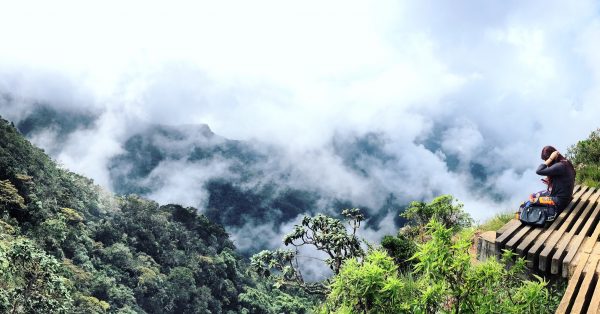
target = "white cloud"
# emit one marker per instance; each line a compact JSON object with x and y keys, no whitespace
{"x":497,"y":81}
{"x":181,"y":182}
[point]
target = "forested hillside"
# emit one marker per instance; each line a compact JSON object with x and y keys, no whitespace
{"x":68,"y":246}
{"x":243,"y":185}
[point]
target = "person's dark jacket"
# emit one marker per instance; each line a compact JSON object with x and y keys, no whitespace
{"x":563,"y":181}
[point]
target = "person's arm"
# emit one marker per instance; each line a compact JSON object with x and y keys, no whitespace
{"x":554,"y":170}
{"x":546,"y":170}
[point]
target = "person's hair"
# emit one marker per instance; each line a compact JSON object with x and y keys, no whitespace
{"x":548,"y":150}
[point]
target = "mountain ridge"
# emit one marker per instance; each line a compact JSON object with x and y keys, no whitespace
{"x":242,"y":185}
{"x":111,"y":254}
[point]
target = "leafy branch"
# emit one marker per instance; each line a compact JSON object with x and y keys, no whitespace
{"x":336,"y":238}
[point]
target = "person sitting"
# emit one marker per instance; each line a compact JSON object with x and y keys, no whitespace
{"x":560,"y":178}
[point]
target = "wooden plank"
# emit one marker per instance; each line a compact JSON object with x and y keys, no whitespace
{"x":593,"y":201}
{"x":570,"y":291}
{"x":589,"y":245}
{"x":557,"y":235}
{"x":575,"y":245}
{"x":509,"y":224}
{"x":576,"y":242}
{"x":503,"y":238}
{"x":515,"y":238}
{"x":595,"y":303}
{"x":566,"y":238}
{"x":585,"y":286}
{"x":578,"y":256}
{"x":594,"y":306}
{"x":590,"y":271}
{"x":530,"y":239}
{"x":559,"y":254}
{"x":549,"y":238}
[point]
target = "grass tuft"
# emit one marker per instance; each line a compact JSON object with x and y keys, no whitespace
{"x":496,"y":222}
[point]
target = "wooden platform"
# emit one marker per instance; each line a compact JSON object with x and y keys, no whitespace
{"x":568,"y":247}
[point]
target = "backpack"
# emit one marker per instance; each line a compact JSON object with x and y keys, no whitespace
{"x":533,"y":215}
{"x":539,"y":209}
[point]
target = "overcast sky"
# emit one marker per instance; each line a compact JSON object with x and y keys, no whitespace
{"x":497,"y":80}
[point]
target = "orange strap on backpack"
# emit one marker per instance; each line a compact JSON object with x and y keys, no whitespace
{"x":544,"y":200}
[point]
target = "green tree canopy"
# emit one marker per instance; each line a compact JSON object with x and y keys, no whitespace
{"x":324,"y":233}
{"x":445,"y":209}
{"x":31,"y":280}
{"x":585,"y":155}
{"x":9,"y":196}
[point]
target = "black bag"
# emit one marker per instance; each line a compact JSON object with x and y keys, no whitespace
{"x":533,"y":215}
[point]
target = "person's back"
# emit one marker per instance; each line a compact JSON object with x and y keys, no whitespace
{"x":561,"y":174}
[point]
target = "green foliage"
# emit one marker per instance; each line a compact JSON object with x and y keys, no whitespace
{"x":589,"y":174}
{"x":490,"y":287}
{"x":181,"y":262}
{"x":370,"y":286}
{"x":443,"y":280}
{"x":496,"y":222}
{"x":329,"y":235}
{"x":401,"y":248}
{"x":443,"y":208}
{"x":586,"y":151}
{"x":91,"y":305}
{"x":324,"y":233}
{"x":119,"y":254}
{"x":282,"y":261}
{"x":265,"y":299}
{"x":9,"y":196}
{"x":585,"y":155}
{"x":52,"y":233}
{"x":71,"y":215}
{"x":442,"y":263}
{"x":31,"y":280}
{"x":67,"y":246}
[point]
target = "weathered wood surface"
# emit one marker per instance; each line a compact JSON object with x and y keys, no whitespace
{"x":568,"y":247}
{"x":555,"y":228}
{"x":571,"y":224}
{"x":570,"y":292}
{"x":582,"y":294}
{"x":532,"y":238}
{"x":486,"y":245}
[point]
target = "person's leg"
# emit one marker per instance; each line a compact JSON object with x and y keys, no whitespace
{"x":554,"y":210}
{"x":551,"y":213}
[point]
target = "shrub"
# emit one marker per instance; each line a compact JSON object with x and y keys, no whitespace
{"x":585,"y":155}
{"x":443,"y":280}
